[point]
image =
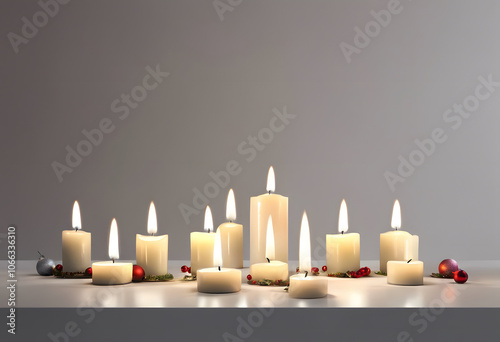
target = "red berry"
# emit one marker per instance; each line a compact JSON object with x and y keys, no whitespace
{"x":315,"y":270}
{"x":249,"y":277}
{"x":184,"y":268}
{"x":460,"y":276}
{"x":297,"y":270}
{"x":88,"y":271}
{"x":254,"y":282}
{"x":368,"y":271}
{"x":324,"y":268}
{"x":189,"y":269}
{"x":59,"y":267}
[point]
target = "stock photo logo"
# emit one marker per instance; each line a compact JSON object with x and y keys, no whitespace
{"x":31,"y":26}
{"x":453,"y":117}
{"x":122,"y":107}
{"x":372,"y":29}
{"x":249,"y":149}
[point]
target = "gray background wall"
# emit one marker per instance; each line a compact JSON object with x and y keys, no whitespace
{"x":352,"y":120}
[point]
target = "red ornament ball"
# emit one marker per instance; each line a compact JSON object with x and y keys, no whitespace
{"x":324,"y":268}
{"x":88,"y":271}
{"x":138,"y":273}
{"x":249,"y":277}
{"x":460,"y":276}
{"x":254,"y":282}
{"x":184,"y":268}
{"x":59,"y":267}
{"x":447,"y":267}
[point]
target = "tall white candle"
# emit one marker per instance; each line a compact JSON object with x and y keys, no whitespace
{"x":302,"y":285}
{"x":202,"y":245}
{"x":217,"y":279}
{"x":111,"y":272}
{"x":397,"y":245}
{"x":409,"y":272}
{"x":76,"y":245}
{"x":261,"y":207}
{"x":271,"y":269}
{"x":152,"y":251}
{"x":342,"y":250}
{"x":231,"y":236}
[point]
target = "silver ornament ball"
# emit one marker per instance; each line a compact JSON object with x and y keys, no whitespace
{"x":45,"y":267}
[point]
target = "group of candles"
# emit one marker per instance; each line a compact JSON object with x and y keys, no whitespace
{"x":217,"y":256}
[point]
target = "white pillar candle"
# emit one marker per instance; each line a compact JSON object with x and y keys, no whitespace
{"x":397,"y":245}
{"x":231,"y":236}
{"x":76,"y":245}
{"x":152,"y":251}
{"x":271,"y":269}
{"x":261,"y":207}
{"x":342,"y":250}
{"x":302,"y":285}
{"x":217,"y":279}
{"x":202,"y":245}
{"x":111,"y":272}
{"x":405,"y":272}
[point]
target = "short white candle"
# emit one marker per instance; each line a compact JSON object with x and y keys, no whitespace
{"x":342,"y":250}
{"x":111,"y":272}
{"x":397,"y":245}
{"x":152,"y":251}
{"x":76,"y":245}
{"x":304,"y":285}
{"x":231,"y":236}
{"x":272,"y":269}
{"x":202,"y":245}
{"x":217,"y":279}
{"x":405,"y":272}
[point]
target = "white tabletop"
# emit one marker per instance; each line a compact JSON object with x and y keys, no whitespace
{"x":482,"y":290}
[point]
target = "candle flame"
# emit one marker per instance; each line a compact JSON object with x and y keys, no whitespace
{"x":231,"y":206}
{"x":152,"y":221}
{"x":396,"y":215}
{"x":217,"y":250}
{"x":271,"y":182}
{"x":343,"y":217}
{"x":77,"y":218}
{"x":270,"y":240}
{"x":114,"y":253}
{"x":209,"y":221}
{"x":304,"y":245}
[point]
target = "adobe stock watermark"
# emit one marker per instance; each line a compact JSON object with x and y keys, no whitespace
{"x":31,"y":26}
{"x":423,"y":317}
{"x":120,"y":107}
{"x":247,"y":324}
{"x":453,"y":117}
{"x":372,"y":29}
{"x":248,"y":148}
{"x":223,"y":6}
{"x":86,"y":313}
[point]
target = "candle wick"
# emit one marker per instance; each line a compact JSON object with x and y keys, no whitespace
{"x":209,"y":230}
{"x":152,"y":234}
{"x":306,"y":274}
{"x":269,"y":192}
{"x":76,"y":229}
{"x":113,"y":260}
{"x":409,"y":261}
{"x":219,"y":268}
{"x":342,"y":232}
{"x":269,"y":261}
